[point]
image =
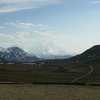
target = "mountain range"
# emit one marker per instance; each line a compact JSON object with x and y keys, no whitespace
{"x":82,"y":68}
{"x":15,"y":54}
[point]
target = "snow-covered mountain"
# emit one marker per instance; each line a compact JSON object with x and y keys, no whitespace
{"x":15,"y":54}
{"x":49,"y":50}
{"x":51,"y":56}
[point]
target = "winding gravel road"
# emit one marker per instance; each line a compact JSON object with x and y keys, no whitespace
{"x":91,"y":70}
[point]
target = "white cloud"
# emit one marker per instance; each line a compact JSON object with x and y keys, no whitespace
{"x":20,"y":39}
{"x":35,"y":40}
{"x":1,"y":27}
{"x":5,"y":36}
{"x":27,"y":42}
{"x":44,"y":33}
{"x":50,"y":43}
{"x":15,"y":5}
{"x":28,"y":39}
{"x":96,"y":2}
{"x":25,"y":25}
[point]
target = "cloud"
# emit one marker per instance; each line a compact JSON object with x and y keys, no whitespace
{"x":42,"y":33}
{"x":5,"y":36}
{"x":20,"y":39}
{"x":1,"y":27}
{"x":29,"y":38}
{"x":25,"y":25}
{"x":16,"y":5}
{"x":37,"y":41}
{"x":96,"y":2}
{"x":27,"y":41}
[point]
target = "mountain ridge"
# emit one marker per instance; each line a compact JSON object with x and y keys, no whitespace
{"x":15,"y":54}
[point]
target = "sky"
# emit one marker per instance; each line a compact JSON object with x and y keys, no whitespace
{"x":50,"y":26}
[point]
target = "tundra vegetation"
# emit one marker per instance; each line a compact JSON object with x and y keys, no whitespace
{"x":48,"y":92}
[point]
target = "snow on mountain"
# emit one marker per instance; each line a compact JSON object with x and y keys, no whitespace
{"x":15,"y":54}
{"x":3,"y":49}
{"x":51,"y":56}
{"x":47,"y":48}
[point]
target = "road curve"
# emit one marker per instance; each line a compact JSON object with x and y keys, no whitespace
{"x":91,"y":70}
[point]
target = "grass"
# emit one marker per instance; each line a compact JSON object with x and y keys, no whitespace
{"x":48,"y":92}
{"x":51,"y":71}
{"x":37,"y":74}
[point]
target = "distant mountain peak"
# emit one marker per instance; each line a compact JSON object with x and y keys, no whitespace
{"x":14,"y":49}
{"x":15,"y":54}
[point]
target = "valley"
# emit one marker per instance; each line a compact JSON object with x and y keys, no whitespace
{"x":83,"y":68}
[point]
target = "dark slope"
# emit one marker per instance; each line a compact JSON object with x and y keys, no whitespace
{"x":92,"y":52}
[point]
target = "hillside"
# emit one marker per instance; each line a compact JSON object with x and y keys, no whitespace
{"x":90,"y":56}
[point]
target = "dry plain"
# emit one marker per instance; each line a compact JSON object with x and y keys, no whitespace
{"x":48,"y":92}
